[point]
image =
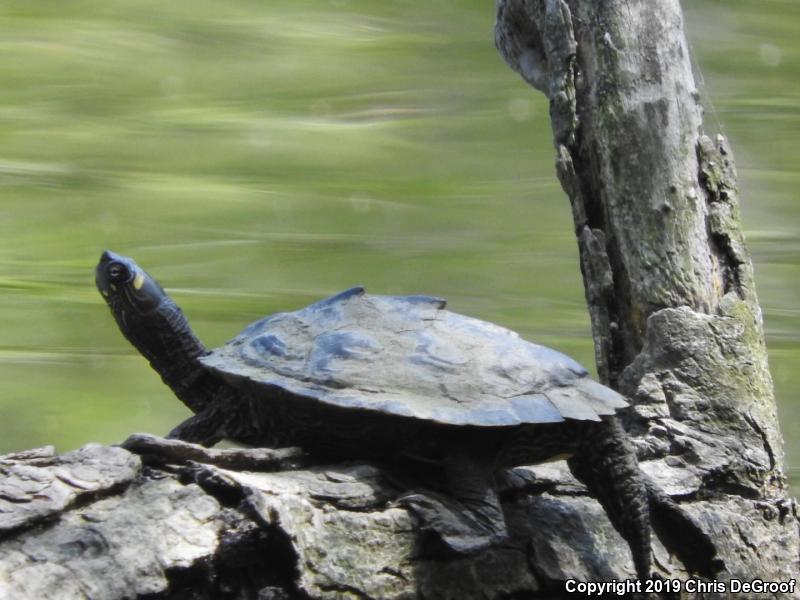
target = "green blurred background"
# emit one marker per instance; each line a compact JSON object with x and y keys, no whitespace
{"x":256,"y":156}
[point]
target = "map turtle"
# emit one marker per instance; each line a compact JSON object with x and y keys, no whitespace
{"x":397,"y":378}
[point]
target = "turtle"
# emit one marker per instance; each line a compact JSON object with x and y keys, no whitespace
{"x":399,"y":378}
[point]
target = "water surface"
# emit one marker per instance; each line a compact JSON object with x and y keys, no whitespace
{"x":258,"y":156}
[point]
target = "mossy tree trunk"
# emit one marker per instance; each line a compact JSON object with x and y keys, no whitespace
{"x":668,"y":280}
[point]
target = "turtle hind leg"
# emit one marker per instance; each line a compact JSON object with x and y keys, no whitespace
{"x":468,"y":516}
{"x":607,"y":465}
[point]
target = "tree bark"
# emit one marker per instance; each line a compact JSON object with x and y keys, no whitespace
{"x":677,"y":328}
{"x":668,"y":280}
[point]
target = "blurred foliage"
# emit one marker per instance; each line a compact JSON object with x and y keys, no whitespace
{"x":257,"y":156}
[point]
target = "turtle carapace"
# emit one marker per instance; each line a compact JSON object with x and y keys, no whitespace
{"x":391,"y":378}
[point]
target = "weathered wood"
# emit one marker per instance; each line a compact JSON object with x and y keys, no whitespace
{"x":668,"y":279}
{"x":196,"y":530}
{"x":167,"y":526}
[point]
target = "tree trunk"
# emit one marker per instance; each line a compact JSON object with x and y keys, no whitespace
{"x":668,"y":280}
{"x":677,"y":328}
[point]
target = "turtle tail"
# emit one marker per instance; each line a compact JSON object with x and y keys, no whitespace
{"x":607,"y":465}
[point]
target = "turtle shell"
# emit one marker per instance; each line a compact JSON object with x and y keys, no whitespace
{"x":408,"y":356}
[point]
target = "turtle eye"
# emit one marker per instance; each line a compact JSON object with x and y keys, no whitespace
{"x":117,"y":271}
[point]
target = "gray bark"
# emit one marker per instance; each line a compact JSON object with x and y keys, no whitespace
{"x":677,"y":328}
{"x":97,"y":523}
{"x":668,"y":280}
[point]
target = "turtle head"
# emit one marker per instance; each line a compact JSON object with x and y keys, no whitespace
{"x":154,"y":324}
{"x":142,"y":309}
{"x":126,"y":287}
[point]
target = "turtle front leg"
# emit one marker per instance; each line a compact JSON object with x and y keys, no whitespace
{"x":607,"y":465}
{"x":468,"y":518}
{"x":204,"y":428}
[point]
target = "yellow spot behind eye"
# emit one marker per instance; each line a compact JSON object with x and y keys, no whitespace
{"x":138,"y":281}
{"x":113,"y":287}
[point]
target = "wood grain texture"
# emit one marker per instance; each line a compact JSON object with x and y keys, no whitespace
{"x":668,"y":278}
